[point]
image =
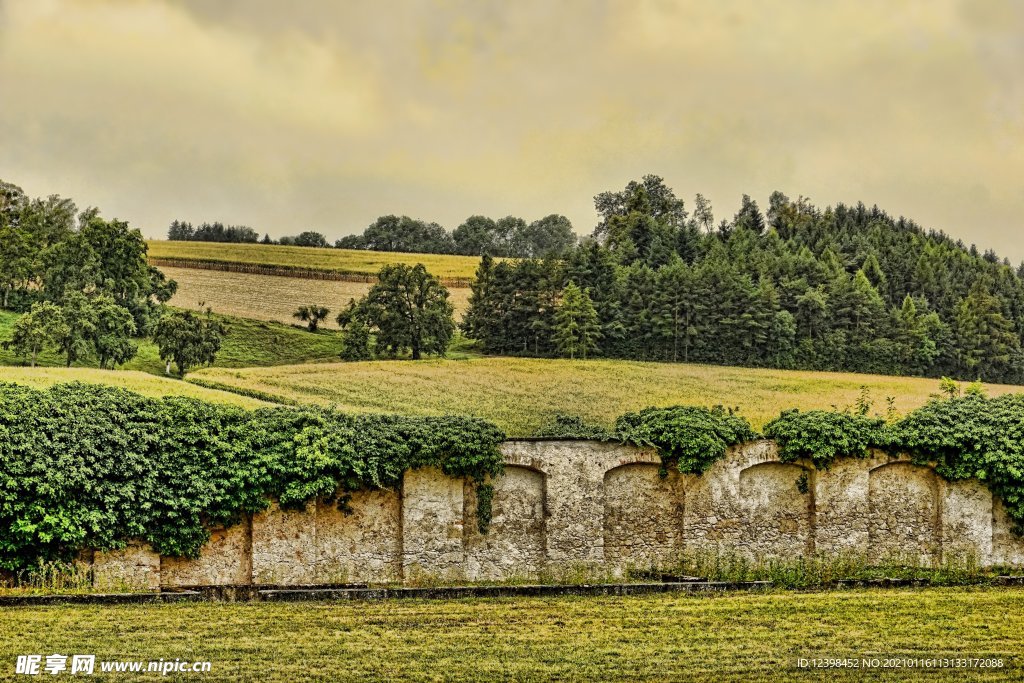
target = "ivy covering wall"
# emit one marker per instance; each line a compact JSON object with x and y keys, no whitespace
{"x":84,"y":466}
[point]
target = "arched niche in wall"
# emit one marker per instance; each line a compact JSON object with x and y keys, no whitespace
{"x":777,"y":502}
{"x":643,"y":515}
{"x":903,"y":513}
{"x":515,"y":542}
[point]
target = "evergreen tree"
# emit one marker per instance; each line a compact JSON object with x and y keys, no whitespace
{"x":576,"y":325}
{"x":985,"y":338}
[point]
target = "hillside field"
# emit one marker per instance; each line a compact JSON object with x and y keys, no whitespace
{"x":272,"y":297}
{"x":138,"y":382}
{"x":729,"y":637}
{"x":248,"y":343}
{"x":351,"y":261}
{"x":521,"y":395}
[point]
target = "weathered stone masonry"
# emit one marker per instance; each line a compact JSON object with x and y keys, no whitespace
{"x":569,"y":504}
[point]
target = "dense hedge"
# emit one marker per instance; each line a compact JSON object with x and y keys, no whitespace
{"x":688,"y":437}
{"x":85,"y":466}
{"x":822,"y":436}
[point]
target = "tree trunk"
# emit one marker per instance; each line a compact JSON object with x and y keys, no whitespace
{"x":167,"y":368}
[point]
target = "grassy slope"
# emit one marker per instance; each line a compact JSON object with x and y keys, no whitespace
{"x":339,"y":260}
{"x":249,"y":343}
{"x":139,"y":382}
{"x":736,"y":637}
{"x":521,"y":394}
{"x":271,"y":297}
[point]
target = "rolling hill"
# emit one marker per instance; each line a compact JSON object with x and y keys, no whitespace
{"x":521,"y":395}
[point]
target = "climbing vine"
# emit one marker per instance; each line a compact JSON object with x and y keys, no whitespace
{"x":822,"y":436}
{"x":85,"y":466}
{"x":687,"y":437}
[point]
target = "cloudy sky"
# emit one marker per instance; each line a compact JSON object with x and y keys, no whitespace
{"x":322,"y":115}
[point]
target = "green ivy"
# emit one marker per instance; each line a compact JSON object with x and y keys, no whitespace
{"x":85,"y":466}
{"x":822,"y":436}
{"x":690,"y":438}
{"x":484,"y":500}
{"x":970,"y":437}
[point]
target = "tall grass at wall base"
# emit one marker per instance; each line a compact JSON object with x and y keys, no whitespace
{"x":53,"y":578}
{"x":828,"y":570}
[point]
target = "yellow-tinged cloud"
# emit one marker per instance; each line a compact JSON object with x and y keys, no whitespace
{"x":324,"y":115}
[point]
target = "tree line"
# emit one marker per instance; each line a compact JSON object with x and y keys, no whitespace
{"x":846,"y":288}
{"x":85,"y":288}
{"x":551,"y":236}
{"x":183,"y":231}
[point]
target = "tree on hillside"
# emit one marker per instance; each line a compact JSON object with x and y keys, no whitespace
{"x":640,"y":233}
{"x":34,"y":331}
{"x":188,"y":339}
{"x":549,"y":236}
{"x":577,"y":330}
{"x":478,"y":235}
{"x":408,"y":309}
{"x":749,"y":216}
{"x":75,"y":327}
{"x":986,"y":341}
{"x":661,"y":204}
{"x":180,"y":231}
{"x":703,"y":214}
{"x":312,"y":316}
{"x":304,"y":239}
{"x":16,"y":254}
{"x":112,"y":338}
{"x":677,"y":311}
{"x":355,"y":341}
{"x":481,"y":318}
{"x":106,"y":258}
{"x":401,"y":233}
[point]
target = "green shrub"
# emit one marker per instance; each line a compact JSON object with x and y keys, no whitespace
{"x":85,"y":466}
{"x":688,"y":437}
{"x":970,"y":437}
{"x":822,"y":436}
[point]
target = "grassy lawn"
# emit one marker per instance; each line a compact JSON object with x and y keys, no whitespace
{"x":271,"y":297}
{"x":338,"y":260}
{"x":731,"y":637}
{"x":249,"y":343}
{"x":521,"y":394}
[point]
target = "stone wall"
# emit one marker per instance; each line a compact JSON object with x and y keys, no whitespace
{"x":569,"y":505}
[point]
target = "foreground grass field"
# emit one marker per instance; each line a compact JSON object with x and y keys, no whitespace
{"x":522,"y":394}
{"x":731,"y":637}
{"x":271,"y":297}
{"x":352,"y":261}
